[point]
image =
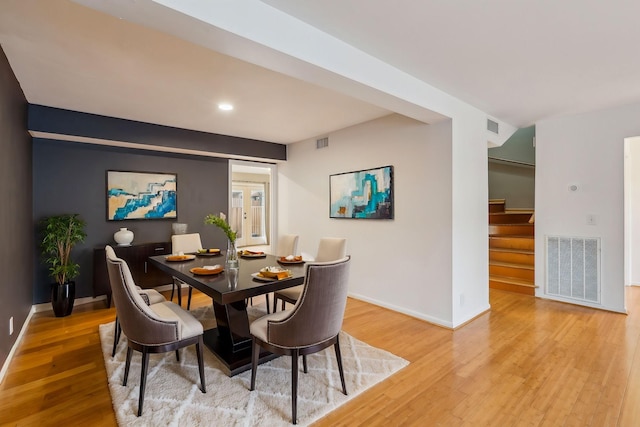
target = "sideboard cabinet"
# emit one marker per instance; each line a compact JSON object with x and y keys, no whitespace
{"x":137,"y":257}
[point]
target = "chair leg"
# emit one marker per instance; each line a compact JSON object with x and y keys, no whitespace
{"x":294,"y":386}
{"x":116,"y":336}
{"x":201,"y":364}
{"x":143,"y":379}
{"x":336,"y":346}
{"x":189,"y":298}
{"x":304,"y":364}
{"x":127,"y":364}
{"x":177,"y":355}
{"x":255,"y":355}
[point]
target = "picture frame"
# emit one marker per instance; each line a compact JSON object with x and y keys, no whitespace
{"x":363,"y":194}
{"x":135,"y":195}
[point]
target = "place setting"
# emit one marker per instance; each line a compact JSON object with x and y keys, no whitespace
{"x":291,"y":259}
{"x":180,"y":257}
{"x":252,"y":254}
{"x":213,"y":252}
{"x":272,"y":273}
{"x":207,"y":270}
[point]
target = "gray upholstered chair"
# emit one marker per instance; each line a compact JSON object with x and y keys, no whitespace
{"x":185,"y":243}
{"x":150,"y":296}
{"x":312,"y":324}
{"x":155,"y":328}
{"x":329,"y":249}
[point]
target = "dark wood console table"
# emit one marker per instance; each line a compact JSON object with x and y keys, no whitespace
{"x":145,"y":274}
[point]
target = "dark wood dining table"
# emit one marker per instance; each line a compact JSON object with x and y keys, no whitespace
{"x":230,"y":341}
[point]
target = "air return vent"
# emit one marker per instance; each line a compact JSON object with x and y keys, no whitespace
{"x":322,"y":142}
{"x":492,"y":126}
{"x":573,"y":268}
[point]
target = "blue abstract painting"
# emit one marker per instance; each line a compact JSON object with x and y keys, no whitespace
{"x":366,"y":194}
{"x":141,"y":195}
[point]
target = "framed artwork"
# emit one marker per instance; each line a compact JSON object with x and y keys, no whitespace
{"x":141,"y":195}
{"x":365,"y":194}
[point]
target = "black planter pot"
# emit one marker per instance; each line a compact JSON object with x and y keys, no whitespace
{"x":62,"y":298}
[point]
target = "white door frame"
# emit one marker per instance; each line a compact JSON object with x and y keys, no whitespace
{"x":257,"y":167}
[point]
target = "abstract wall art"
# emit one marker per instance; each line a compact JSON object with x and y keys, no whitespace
{"x":141,"y":195}
{"x":365,"y":194}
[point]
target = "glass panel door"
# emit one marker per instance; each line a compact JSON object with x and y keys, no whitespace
{"x":248,"y":213}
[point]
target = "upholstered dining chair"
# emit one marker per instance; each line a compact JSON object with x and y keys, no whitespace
{"x":329,"y":249}
{"x":185,"y":243}
{"x":150,"y":296}
{"x":155,"y":328}
{"x":287,"y":245}
{"x":313,"y":323}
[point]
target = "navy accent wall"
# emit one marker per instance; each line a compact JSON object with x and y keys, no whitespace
{"x":70,"y":178}
{"x":66,"y":122}
{"x":16,"y":229}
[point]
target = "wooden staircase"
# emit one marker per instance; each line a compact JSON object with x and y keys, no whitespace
{"x":511,"y":249}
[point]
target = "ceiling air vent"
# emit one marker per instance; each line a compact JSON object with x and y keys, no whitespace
{"x":322,"y":142}
{"x":492,"y":126}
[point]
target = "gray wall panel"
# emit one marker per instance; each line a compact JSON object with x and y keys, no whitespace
{"x":16,"y":230}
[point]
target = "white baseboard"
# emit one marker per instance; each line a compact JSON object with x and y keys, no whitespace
{"x":7,"y":362}
{"x":421,"y":316}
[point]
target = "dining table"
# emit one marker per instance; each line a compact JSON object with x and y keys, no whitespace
{"x":230,"y":341}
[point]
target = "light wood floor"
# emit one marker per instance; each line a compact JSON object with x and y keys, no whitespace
{"x":529,"y":362}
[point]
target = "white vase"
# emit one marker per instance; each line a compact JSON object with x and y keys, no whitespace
{"x":123,"y":237}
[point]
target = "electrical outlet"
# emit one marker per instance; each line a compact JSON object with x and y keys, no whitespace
{"x":11,"y":325}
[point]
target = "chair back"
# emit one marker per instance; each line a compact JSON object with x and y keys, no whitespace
{"x":288,"y":245}
{"x":331,"y":249}
{"x":185,"y":243}
{"x":139,"y":323}
{"x":318,"y":314}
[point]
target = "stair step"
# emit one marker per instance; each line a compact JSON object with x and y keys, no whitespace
{"x":511,"y":229}
{"x":511,"y":284}
{"x":516,"y":271}
{"x":509,"y":218}
{"x":514,"y":256}
{"x":512,"y":242}
{"x":496,"y":205}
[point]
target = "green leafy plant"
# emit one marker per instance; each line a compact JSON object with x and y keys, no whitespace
{"x":221,"y":222}
{"x":60,"y":233}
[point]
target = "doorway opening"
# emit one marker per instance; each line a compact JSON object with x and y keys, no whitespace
{"x":251,"y":206}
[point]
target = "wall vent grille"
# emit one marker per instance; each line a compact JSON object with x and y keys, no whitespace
{"x":492,"y":126}
{"x":322,"y":143}
{"x":573,"y":268}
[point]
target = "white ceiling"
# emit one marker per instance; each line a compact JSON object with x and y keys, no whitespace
{"x":519,"y":61}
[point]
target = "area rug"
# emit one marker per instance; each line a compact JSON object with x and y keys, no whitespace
{"x":173,"y":396}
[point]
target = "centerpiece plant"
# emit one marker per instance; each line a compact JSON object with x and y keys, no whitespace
{"x":220,"y":221}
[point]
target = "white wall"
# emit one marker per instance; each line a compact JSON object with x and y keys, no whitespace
{"x":407,"y":263}
{"x":586,"y":150}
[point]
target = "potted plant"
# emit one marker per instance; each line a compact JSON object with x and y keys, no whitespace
{"x":60,"y":233}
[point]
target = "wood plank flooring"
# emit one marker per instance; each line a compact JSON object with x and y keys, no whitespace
{"x":528,"y":362}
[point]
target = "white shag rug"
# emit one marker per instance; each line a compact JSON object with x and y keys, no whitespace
{"x":173,"y":396}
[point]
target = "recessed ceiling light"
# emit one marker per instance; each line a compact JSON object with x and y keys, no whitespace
{"x":225,"y":107}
